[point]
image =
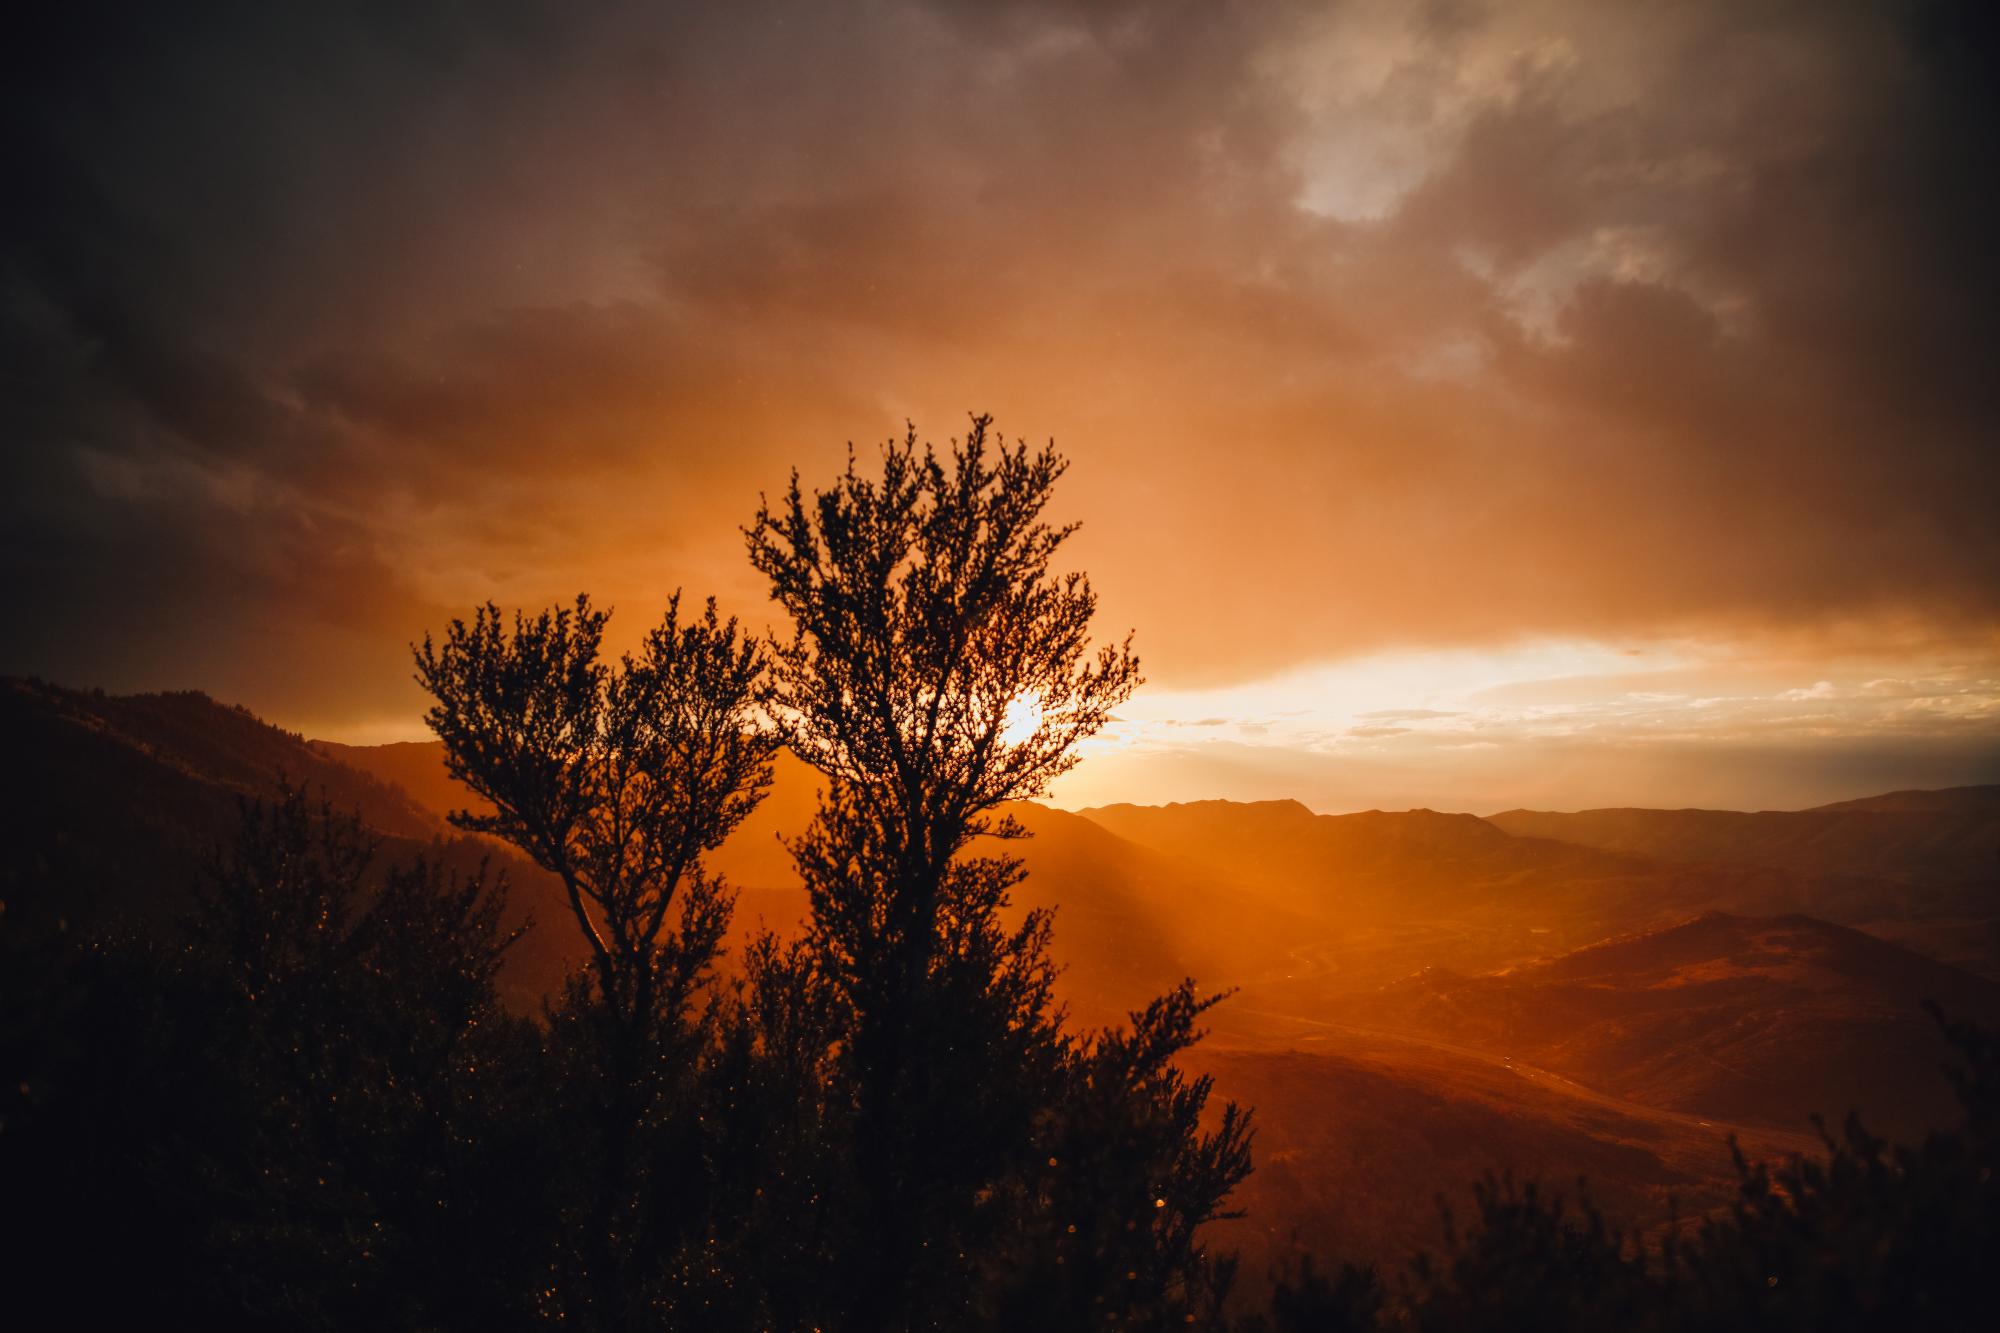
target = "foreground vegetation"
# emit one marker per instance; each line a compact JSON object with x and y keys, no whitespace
{"x":305,"y":1106}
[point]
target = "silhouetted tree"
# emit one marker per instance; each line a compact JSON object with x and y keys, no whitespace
{"x":1110,"y":1237}
{"x":617,"y":780}
{"x":303,"y":1106}
{"x":284,"y":1114}
{"x":937,"y":670}
{"x":1308,"y":1300}
{"x":1871,"y":1236}
{"x":349,"y":1023}
{"x":1532,"y":1262}
{"x":781,"y":1213}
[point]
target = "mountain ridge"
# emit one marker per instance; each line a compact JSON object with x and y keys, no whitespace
{"x":1435,"y":987}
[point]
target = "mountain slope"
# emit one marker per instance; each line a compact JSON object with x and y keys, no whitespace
{"x":1980,"y":800}
{"x":1766,"y":1020}
{"x":128,"y":798}
{"x":1282,"y":844}
{"x":1391,"y":892}
{"x":1130,"y":921}
{"x":1422,"y":997}
{"x":1362,"y":1134}
{"x":1932,"y":853}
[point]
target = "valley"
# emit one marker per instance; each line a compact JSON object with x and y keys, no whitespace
{"x":1413,"y":999}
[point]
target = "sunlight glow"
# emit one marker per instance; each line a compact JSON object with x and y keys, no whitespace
{"x":1024,"y":715}
{"x":1566,"y":723}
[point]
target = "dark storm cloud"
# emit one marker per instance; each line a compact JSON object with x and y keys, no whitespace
{"x":1365,"y":324}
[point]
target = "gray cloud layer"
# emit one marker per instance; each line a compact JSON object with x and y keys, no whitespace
{"x":1366,"y":325}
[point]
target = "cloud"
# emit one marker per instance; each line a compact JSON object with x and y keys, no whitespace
{"x":1377,"y":327}
{"x":1407,"y":714}
{"x":1583,"y":741}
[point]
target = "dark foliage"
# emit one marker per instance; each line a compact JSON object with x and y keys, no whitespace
{"x":938,"y":669}
{"x":1308,"y":1300}
{"x":617,"y":780}
{"x":1869,"y":1236}
{"x":303,"y":1105}
{"x":303,"y":1110}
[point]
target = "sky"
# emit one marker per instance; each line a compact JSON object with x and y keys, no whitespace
{"x":1556,"y":404}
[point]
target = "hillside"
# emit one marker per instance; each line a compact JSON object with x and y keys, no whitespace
{"x":1351,"y":859}
{"x":1628,"y":1064}
{"x":415,"y":769}
{"x":1134,"y":918}
{"x":1476,"y":894}
{"x":1765,"y":1020}
{"x":1420,"y":997}
{"x":132,"y":796}
{"x":1362,"y":1134}
{"x":77,"y":737}
{"x":1388,"y":893}
{"x":1932,"y":853}
{"x":753,"y":858}
{"x":1979,"y":800}
{"x":1130,"y":921}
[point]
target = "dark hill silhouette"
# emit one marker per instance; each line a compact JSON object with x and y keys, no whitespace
{"x":1262,"y":895}
{"x":1976,"y":800}
{"x":189,"y":733}
{"x":1940,"y":849}
{"x":127,"y":797}
{"x":1920,"y":868}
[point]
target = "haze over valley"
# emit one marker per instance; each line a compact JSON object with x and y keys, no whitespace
{"x":895,"y":666}
{"x":1410,"y":987}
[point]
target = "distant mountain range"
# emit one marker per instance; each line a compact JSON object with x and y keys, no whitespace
{"x":1418,"y":996}
{"x":1943,"y":846}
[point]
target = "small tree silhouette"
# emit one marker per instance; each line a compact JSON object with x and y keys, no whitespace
{"x":332,"y":1038}
{"x":617,"y":780}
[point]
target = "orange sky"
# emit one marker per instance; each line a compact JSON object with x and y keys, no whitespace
{"x":1549,"y":404}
